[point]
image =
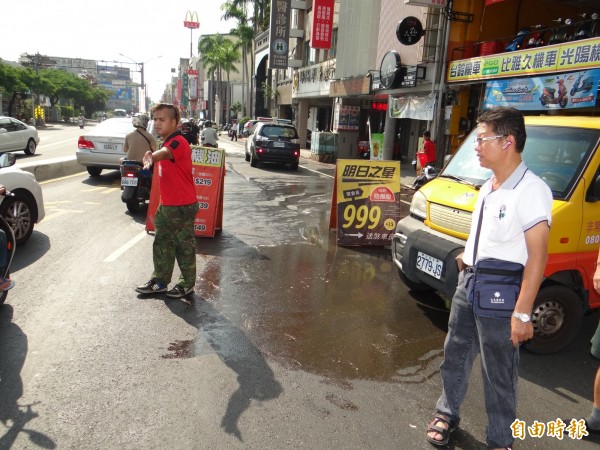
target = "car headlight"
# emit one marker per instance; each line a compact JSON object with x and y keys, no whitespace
{"x":418,"y":206}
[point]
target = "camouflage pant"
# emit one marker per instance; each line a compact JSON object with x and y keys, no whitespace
{"x":174,"y":239}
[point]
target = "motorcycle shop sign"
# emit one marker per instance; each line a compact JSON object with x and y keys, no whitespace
{"x":279,"y":34}
{"x":578,"y":55}
{"x":565,"y":91}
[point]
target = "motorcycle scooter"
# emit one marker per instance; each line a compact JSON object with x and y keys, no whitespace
{"x":582,"y":86}
{"x":548,"y":98}
{"x":136,"y":183}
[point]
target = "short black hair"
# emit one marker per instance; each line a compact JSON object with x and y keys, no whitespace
{"x":426,"y":133}
{"x":506,"y":121}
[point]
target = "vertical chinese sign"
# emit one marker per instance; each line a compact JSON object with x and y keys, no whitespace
{"x":279,"y":34}
{"x":366,"y":201}
{"x":322,"y":25}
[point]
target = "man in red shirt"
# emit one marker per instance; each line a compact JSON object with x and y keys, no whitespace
{"x":428,"y":149}
{"x":174,"y":237}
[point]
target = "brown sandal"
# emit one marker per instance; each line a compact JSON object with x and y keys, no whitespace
{"x":444,"y":432}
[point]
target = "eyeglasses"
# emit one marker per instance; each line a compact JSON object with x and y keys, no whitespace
{"x":479,"y":141}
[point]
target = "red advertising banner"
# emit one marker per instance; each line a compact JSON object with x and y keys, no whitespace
{"x":365,"y":206}
{"x":322,"y":24}
{"x":208,"y":172}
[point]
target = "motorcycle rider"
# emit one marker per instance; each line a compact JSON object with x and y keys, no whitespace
{"x":139,"y":140}
{"x":81,"y":121}
{"x":186,"y":130}
{"x":209,"y":135}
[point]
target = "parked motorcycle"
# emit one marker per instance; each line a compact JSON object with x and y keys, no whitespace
{"x":580,"y":85}
{"x":536,"y":39}
{"x":10,"y":249}
{"x":560,"y":33}
{"x":427,"y":174}
{"x":586,"y":27}
{"x":136,"y":183}
{"x":518,"y":41}
{"x":548,"y":95}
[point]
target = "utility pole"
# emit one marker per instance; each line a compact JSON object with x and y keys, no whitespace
{"x":33,"y":94}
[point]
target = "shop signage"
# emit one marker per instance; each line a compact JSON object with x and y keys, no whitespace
{"x":208,"y":173}
{"x":191,"y":20}
{"x":390,"y":70}
{"x":564,"y":91}
{"x":314,"y":80}
{"x":584,"y":54}
{"x":322,"y":24}
{"x":192,"y":72}
{"x":279,"y":34}
{"x":346,"y":117}
{"x":365,"y":205}
{"x":409,"y":30}
{"x":379,"y":106}
{"x":409,"y":76}
{"x":412,"y":107}
{"x":350,"y":86}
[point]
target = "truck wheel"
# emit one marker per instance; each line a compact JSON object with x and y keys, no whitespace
{"x":557,"y":316}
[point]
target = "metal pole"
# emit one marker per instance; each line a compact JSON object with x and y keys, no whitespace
{"x":143,"y":89}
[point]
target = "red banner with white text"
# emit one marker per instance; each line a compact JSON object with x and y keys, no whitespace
{"x":322,"y":24}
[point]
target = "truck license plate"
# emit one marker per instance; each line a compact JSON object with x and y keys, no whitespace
{"x":430,"y":265}
{"x":129,"y":181}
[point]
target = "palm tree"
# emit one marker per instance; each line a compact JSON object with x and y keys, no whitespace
{"x":229,"y":56}
{"x":218,"y":54}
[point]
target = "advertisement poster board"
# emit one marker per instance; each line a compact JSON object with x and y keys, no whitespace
{"x":365,"y":205}
{"x":563,"y":91}
{"x":208,"y":172}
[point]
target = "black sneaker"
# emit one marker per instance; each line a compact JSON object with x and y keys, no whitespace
{"x":179,"y":291}
{"x":151,"y":287}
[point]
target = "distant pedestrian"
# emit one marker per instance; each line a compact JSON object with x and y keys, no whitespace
{"x":174,"y":237}
{"x":233,"y":131}
{"x":428,"y":150}
{"x":512,"y":233}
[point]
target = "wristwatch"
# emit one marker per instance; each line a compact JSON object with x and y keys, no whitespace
{"x":525,"y":318}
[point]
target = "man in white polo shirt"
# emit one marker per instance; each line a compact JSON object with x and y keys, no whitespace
{"x":515,"y":225}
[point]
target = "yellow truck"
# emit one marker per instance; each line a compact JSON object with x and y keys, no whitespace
{"x":564,"y":152}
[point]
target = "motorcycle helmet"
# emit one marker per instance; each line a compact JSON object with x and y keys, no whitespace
{"x":208,"y":123}
{"x":140,"y":120}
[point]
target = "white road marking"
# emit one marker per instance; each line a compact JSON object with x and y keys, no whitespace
{"x":118,"y":252}
{"x":316,"y":171}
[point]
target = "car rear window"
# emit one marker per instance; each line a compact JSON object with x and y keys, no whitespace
{"x":113,"y":127}
{"x":279,"y":132}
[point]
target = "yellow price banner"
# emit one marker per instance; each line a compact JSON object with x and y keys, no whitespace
{"x":366,"y":201}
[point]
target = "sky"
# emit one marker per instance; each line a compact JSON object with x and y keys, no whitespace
{"x":104,"y":29}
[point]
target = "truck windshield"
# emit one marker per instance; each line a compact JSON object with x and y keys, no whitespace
{"x":556,"y":154}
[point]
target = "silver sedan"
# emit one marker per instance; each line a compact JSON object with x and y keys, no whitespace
{"x":102,"y":147}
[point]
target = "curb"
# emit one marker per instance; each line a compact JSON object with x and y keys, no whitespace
{"x":53,"y":168}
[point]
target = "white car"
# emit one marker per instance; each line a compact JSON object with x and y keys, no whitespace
{"x":16,"y":136}
{"x":26,"y":207}
{"x":102,"y":146}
